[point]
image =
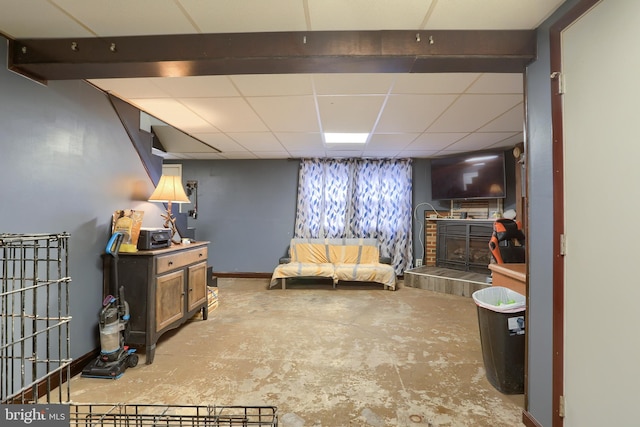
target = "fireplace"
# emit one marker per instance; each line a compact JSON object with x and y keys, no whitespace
{"x":464,"y":245}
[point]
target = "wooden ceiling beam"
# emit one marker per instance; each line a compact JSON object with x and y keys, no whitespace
{"x":274,"y":53}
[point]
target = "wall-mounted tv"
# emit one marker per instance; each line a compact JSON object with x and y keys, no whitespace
{"x":478,"y":175}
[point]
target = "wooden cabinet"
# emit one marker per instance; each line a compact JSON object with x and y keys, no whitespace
{"x":164,"y":288}
{"x":169,"y":298}
{"x":197,"y":289}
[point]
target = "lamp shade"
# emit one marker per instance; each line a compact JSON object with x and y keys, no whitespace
{"x":169,"y":189}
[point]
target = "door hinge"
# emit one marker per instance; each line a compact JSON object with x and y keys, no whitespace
{"x":557,"y":75}
{"x":561,"y":407}
{"x":563,"y":245}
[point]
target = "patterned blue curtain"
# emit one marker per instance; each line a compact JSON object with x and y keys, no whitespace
{"x":358,"y":198}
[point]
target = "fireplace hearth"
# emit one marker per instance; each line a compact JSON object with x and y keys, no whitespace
{"x":464,"y":245}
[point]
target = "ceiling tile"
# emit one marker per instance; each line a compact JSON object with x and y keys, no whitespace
{"x":344,"y":154}
{"x":349,"y":113}
{"x":308,"y":154}
{"x":353,"y":84}
{"x":174,"y":113}
{"x":273,"y":84}
{"x":220,"y":141}
{"x":479,"y":140}
{"x":471,"y":112}
{"x":287,"y":113}
{"x":140,"y":17}
{"x":511,"y":141}
{"x":490,"y":14}
{"x":512,"y":120}
{"x":195,"y":86}
{"x":395,"y":141}
{"x":433,"y":83}
{"x":417,"y":153}
{"x":435,"y":141}
{"x":242,"y":16}
{"x":381,"y":154}
{"x":498,"y":83}
{"x":366,"y":14}
{"x":333,"y":148}
{"x":38,"y":19}
{"x":297,"y":141}
{"x":412,"y":113}
{"x":226,"y":114}
{"x":257,"y":141}
{"x":131,"y":88}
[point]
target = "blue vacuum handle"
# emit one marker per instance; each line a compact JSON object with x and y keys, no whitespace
{"x":113,"y":246}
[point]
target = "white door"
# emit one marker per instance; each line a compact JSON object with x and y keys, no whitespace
{"x":601,"y":71}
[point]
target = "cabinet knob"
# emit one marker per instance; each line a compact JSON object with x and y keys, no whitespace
{"x":170,"y":263}
{"x":200,"y":254}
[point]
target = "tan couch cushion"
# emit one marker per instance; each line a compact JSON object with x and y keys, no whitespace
{"x":299,"y":269}
{"x":380,"y":273}
{"x":354,"y":254}
{"x":309,"y":253}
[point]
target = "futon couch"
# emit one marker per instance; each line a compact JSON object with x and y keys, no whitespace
{"x":353,"y":260}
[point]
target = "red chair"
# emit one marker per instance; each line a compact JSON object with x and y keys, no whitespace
{"x":507,"y":242}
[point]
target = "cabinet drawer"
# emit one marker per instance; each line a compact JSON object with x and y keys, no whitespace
{"x":171,"y":262}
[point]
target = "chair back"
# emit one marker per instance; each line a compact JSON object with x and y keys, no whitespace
{"x":507,"y":242}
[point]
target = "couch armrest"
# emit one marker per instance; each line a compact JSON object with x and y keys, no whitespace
{"x":385,"y":260}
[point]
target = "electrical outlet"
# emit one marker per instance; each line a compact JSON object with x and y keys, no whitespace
{"x":418,"y":262}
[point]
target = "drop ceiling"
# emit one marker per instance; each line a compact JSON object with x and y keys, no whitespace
{"x":271,"y":116}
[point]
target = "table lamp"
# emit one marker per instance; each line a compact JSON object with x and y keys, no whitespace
{"x":169,"y":190}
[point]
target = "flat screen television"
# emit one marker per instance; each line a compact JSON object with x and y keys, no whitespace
{"x":471,"y":176}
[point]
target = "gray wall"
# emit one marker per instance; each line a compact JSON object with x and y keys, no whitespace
{"x":65,"y":165}
{"x":246,"y":209}
{"x":540,"y":239}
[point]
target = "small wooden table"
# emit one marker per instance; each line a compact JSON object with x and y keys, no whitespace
{"x":511,"y":276}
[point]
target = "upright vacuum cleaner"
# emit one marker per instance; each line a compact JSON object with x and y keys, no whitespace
{"x":115,"y":357}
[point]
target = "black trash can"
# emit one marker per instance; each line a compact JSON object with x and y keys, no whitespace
{"x":501,"y":316}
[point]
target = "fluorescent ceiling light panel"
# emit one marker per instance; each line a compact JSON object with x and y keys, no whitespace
{"x":345,"y":138}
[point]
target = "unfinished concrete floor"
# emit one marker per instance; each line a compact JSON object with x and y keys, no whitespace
{"x":354,"y":356}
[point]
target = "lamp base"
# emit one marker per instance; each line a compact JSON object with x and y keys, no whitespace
{"x":170,"y":223}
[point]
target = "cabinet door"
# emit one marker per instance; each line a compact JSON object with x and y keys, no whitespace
{"x":197,"y":292}
{"x":169,"y":299}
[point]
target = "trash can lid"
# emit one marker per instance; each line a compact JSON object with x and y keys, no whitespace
{"x":500,"y":299}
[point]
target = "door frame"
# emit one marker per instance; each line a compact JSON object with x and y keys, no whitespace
{"x":555,"y":42}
